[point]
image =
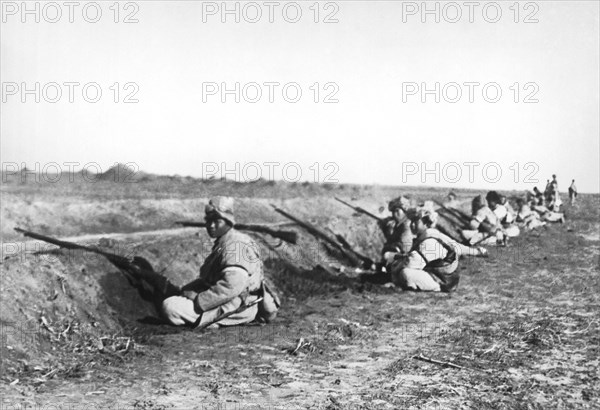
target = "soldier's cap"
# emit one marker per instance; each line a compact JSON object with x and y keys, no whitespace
{"x":493,"y":196}
{"x":221,"y":207}
{"x":401,"y":202}
{"x":426,"y":211}
{"x":478,"y":202}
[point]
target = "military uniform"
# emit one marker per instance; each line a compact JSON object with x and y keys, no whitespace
{"x":231,"y":276}
{"x":485,"y":224}
{"x":432,"y":261}
{"x":398,"y":236}
{"x":572,"y":193}
{"x":506,"y":219}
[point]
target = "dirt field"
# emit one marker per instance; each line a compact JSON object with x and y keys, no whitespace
{"x":521,"y":332}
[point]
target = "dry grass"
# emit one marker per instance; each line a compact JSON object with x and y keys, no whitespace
{"x":521,"y":332}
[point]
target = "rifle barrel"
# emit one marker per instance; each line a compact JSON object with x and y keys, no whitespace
{"x":352,"y":257}
{"x":288,"y":236}
{"x":358,"y":209}
{"x":70,"y":245}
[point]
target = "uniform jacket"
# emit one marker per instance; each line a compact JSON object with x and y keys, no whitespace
{"x":231,"y":275}
{"x":427,"y":249}
{"x":485,"y":220}
{"x":397,"y":235}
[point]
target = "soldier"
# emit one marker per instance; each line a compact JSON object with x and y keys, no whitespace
{"x":451,"y":201}
{"x":546,"y":214}
{"x":548,"y":190}
{"x":572,"y":193}
{"x":396,"y":228}
{"x":230,"y":277}
{"x":431,"y":263}
{"x":526,"y":216}
{"x":554,"y":184}
{"x":497,"y":204}
{"x":538,"y":194}
{"x":484,"y":224}
{"x":555,"y":202}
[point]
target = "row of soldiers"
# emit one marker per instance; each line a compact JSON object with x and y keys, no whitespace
{"x":418,"y":256}
{"x":231,"y":288}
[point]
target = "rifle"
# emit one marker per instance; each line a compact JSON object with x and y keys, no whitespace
{"x":359,"y":209}
{"x":463,"y":218}
{"x":349,"y":254}
{"x":288,"y":236}
{"x":448,"y":233}
{"x":240,"y":309}
{"x":134,"y":269}
{"x":367,"y":262}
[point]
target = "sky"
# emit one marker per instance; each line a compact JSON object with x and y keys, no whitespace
{"x":363,"y":69}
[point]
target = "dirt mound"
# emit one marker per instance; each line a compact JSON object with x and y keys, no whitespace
{"x":123,"y":173}
{"x":71,"y":322}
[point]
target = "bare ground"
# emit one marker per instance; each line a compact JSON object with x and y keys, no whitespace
{"x":521,"y":332}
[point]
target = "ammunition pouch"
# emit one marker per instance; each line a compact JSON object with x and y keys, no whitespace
{"x":270,"y":303}
{"x":443,"y":269}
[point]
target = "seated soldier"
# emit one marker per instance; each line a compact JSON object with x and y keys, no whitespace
{"x":505,"y":218}
{"x":555,"y":202}
{"x":485,"y":226}
{"x":230,"y":277}
{"x":538,"y":194}
{"x":451,"y":201}
{"x":396,"y":228}
{"x":527,"y":217}
{"x":528,"y":195}
{"x":431,"y":264}
{"x":546,"y":214}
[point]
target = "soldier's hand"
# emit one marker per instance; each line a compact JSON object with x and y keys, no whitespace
{"x":390,"y":257}
{"x":190,"y":294}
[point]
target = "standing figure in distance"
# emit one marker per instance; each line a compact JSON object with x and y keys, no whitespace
{"x":572,"y":193}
